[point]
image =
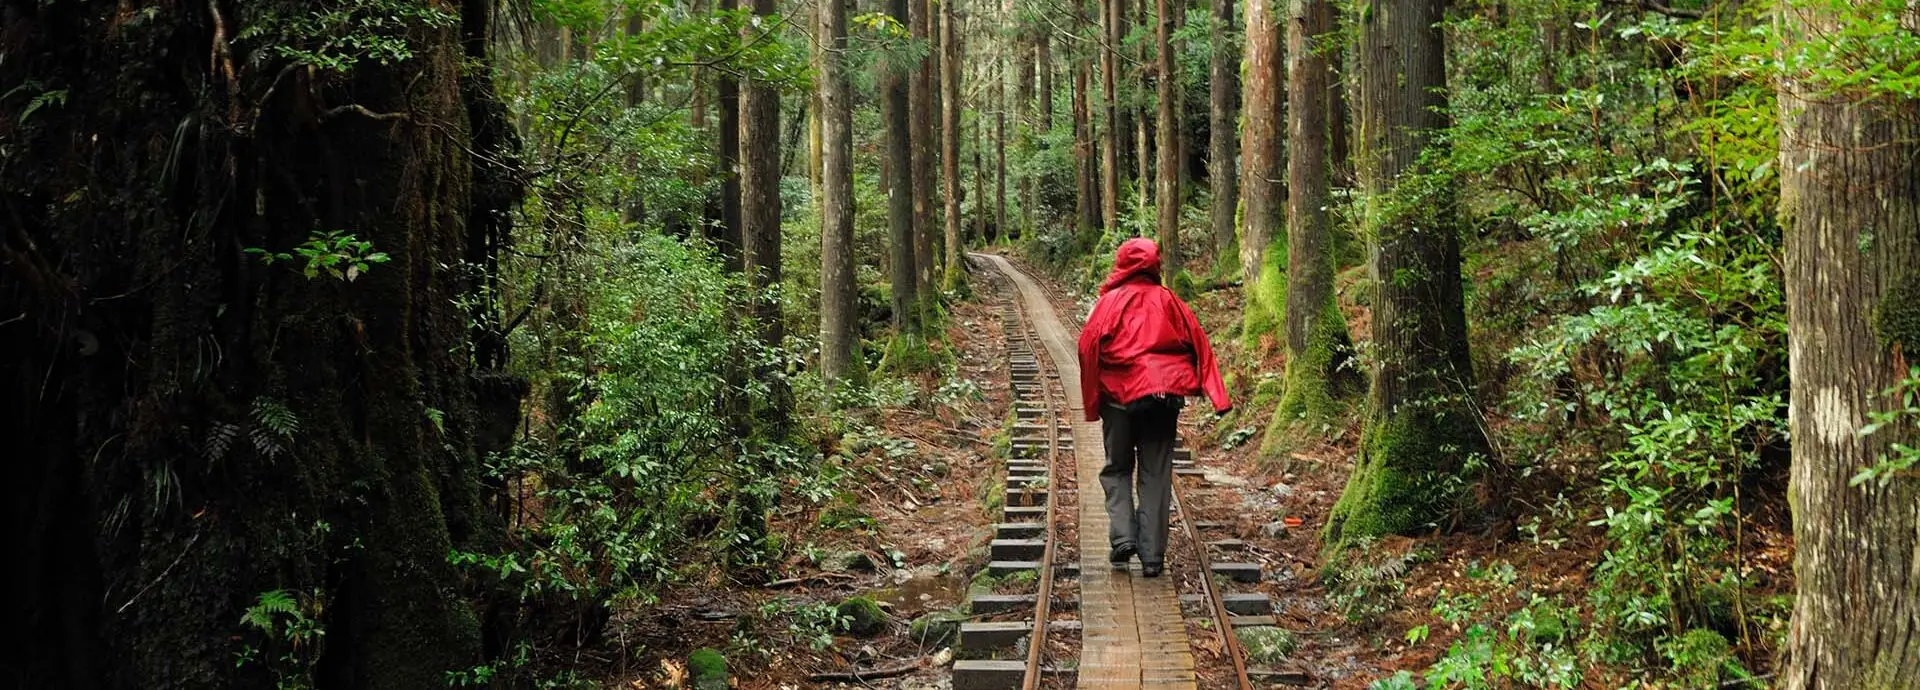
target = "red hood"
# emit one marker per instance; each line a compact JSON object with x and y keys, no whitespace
{"x":1137,"y":257}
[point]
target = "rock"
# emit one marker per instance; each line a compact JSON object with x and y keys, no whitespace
{"x":944,"y":656}
{"x":864,"y":617}
{"x":937,"y":628}
{"x":1218,"y":476}
{"x":1274,"y":530}
{"x":1282,"y":490}
{"x":707,"y":668}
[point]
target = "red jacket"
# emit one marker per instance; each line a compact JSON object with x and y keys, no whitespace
{"x":1142,"y":340}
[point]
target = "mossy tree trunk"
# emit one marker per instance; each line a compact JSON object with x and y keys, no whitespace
{"x":1319,"y":351}
{"x":920,"y":91}
{"x":191,"y":427}
{"x":1850,"y":206}
{"x":1422,"y":424}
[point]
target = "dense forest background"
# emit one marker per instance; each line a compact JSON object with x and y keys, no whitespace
{"x":394,"y":344}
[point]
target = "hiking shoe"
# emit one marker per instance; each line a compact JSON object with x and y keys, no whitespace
{"x":1119,"y":555}
{"x":1152,"y":569}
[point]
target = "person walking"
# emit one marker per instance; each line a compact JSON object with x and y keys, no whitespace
{"x":1141,"y":354}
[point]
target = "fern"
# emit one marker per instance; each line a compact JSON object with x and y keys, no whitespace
{"x":220,"y":436}
{"x":271,"y":604}
{"x":273,"y":423}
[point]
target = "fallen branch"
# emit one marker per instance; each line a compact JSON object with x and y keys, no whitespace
{"x":789,"y":582}
{"x":874,"y":674}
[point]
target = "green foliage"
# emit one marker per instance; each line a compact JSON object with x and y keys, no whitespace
{"x":335,"y":253}
{"x":1900,"y":459}
{"x":1362,"y":584}
{"x":338,"y":36}
{"x":287,"y":638}
{"x":1529,"y":648}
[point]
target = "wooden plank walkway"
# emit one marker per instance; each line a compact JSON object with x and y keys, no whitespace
{"x":1132,"y":634}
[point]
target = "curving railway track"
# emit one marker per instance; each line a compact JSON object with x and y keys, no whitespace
{"x":1087,"y":624}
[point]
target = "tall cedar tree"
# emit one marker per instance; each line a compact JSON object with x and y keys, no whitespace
{"x":1260,"y":143}
{"x":1850,"y":206}
{"x":1318,"y":347}
{"x":839,"y":332}
{"x":920,"y":88}
{"x":1421,"y":418}
{"x":1086,"y":187}
{"x":950,"y":138}
{"x":189,"y":427}
{"x":896,"y":85}
{"x":1167,"y":178}
{"x":1110,"y":23}
{"x":1223,"y":71}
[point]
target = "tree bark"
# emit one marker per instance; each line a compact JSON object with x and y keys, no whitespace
{"x":1043,"y":62}
{"x":1260,"y":146}
{"x":903,"y":240}
{"x":950,"y":139}
{"x":1422,"y":420}
{"x":1167,"y":178}
{"x":1000,"y":142}
{"x":1222,"y":176}
{"x":839,"y":330}
{"x":1850,"y":207}
{"x":727,"y":95}
{"x":1318,"y":347}
{"x":1087,"y":203}
{"x":148,"y":504}
{"x":1110,"y":23}
{"x":920,"y":88}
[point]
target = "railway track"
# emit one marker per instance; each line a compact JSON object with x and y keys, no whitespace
{"x":1121,"y":630}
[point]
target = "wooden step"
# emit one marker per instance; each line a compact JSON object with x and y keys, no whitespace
{"x":982,"y":604}
{"x":987,"y":636}
{"x":1017,"y":549}
{"x":988,"y":674}
{"x":1239,"y":572}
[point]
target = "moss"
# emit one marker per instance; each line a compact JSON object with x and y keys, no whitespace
{"x":1897,"y":319}
{"x":708,"y":668}
{"x":908,"y":354}
{"x":1700,"y":657}
{"x":1403,"y":483}
{"x":863,"y":616}
{"x":1266,"y":308}
{"x":1318,"y":389}
{"x":1266,"y":645}
{"x":936,"y":629}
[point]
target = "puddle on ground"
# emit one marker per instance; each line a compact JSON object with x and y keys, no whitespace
{"x":925,"y":589}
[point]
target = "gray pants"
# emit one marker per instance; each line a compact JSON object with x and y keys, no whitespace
{"x":1139,"y":442}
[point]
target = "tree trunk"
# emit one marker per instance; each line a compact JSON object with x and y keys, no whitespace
{"x":1043,"y":62}
{"x":1422,"y":419}
{"x":727,"y":95}
{"x":999,"y":144}
{"x":1143,"y":125}
{"x":1224,"y":75}
{"x":1024,"y":126}
{"x":921,"y":90}
{"x":1850,"y":207}
{"x":1087,"y":205}
{"x":950,"y":139}
{"x":1260,"y":149}
{"x":901,"y":249}
{"x":1167,"y":178}
{"x":1339,"y":152}
{"x":1110,"y":22}
{"x":1318,"y":347}
{"x":189,"y":427}
{"x":839,"y":306}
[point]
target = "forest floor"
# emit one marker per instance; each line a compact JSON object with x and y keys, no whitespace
{"x":913,"y":520}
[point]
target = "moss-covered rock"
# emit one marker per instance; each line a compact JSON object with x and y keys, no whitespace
{"x":938,"y":628}
{"x":1266,"y":645}
{"x":707,"y":669}
{"x":863,"y":616}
